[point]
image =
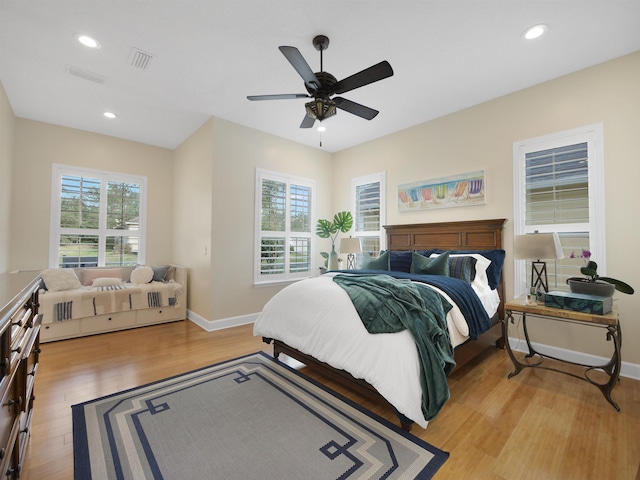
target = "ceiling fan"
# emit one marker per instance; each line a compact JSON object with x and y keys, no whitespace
{"x":322,"y":86}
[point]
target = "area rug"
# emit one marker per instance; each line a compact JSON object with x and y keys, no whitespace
{"x":248,"y":418}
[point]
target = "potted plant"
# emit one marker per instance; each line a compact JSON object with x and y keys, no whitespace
{"x":342,"y":222}
{"x":592,"y":283}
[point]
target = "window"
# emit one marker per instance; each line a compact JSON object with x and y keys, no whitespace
{"x":559,"y":187}
{"x":284,"y":221}
{"x":368,"y":195}
{"x":97,"y":218}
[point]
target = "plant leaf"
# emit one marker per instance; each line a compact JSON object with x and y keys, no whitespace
{"x":343,"y":221}
{"x":620,"y":285}
{"x":324,"y":228}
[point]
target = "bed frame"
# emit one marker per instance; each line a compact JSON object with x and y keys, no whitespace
{"x":468,"y":235}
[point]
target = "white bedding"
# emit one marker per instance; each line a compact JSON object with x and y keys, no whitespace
{"x":307,"y":313}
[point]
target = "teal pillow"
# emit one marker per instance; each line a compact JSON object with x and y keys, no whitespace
{"x":430,"y":266}
{"x":380,"y":263}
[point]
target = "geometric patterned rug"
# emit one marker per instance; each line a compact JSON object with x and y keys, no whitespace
{"x":247,"y":418}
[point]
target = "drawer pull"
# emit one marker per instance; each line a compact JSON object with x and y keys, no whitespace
{"x":14,"y":402}
{"x":17,"y":350}
{"x":16,"y":470}
{"x":5,"y":363}
{"x":17,"y":324}
{"x":2,"y":452}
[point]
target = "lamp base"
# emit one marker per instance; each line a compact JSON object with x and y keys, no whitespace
{"x":539,"y":276}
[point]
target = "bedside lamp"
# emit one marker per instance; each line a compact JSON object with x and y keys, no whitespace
{"x":538,"y":247}
{"x":350,"y":246}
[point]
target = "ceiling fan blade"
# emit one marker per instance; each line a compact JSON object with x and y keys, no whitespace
{"x":307,"y":121}
{"x":355,"y":108}
{"x":282,"y":96}
{"x":298,"y":62}
{"x":369,"y":75}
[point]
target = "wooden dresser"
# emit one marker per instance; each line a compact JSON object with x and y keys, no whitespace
{"x":19,"y":351}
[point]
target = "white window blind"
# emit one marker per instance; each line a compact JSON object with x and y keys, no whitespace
{"x":284,"y":215}
{"x":97,"y":218}
{"x":369,"y":214}
{"x":559,"y":187}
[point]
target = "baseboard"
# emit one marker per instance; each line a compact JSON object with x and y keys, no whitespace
{"x":213,"y":325}
{"x":629,"y":370}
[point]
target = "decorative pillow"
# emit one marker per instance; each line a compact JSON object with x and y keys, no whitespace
{"x":89,"y":274}
{"x":106,"y":281}
{"x":479,"y":281}
{"x":142,"y":275}
{"x":430,"y":266}
{"x":462,"y":267}
{"x":160,"y":273}
{"x":59,"y":279}
{"x":400,"y":261}
{"x":497,"y":261}
{"x":380,"y":263}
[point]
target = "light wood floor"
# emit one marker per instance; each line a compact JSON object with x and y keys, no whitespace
{"x":538,"y":425}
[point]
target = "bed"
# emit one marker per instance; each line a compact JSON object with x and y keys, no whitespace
{"x":311,"y":320}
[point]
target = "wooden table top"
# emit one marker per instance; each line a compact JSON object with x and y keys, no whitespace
{"x":520,"y":305}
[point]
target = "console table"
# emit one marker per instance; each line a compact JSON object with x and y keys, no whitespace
{"x":608,"y":322}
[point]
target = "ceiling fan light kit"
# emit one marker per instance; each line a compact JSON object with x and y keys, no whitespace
{"x":322,"y":86}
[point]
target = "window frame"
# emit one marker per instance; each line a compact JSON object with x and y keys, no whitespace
{"x":594,"y":137}
{"x":105,"y":176}
{"x":286,"y":277}
{"x":379,"y":177}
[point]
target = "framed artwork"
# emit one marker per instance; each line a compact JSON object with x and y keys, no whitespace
{"x":455,"y":191}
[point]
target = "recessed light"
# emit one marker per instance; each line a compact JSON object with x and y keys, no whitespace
{"x":109,"y":114}
{"x":535,"y":31}
{"x":87,"y":41}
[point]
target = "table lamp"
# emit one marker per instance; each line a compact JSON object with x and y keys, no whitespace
{"x":350,"y":246}
{"x":538,"y":247}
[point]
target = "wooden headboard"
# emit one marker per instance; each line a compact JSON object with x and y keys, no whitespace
{"x":467,"y":235}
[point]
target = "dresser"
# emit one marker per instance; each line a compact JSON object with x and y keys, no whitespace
{"x":19,"y":352}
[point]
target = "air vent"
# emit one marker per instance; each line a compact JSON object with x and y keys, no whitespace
{"x":86,"y":74}
{"x":139,"y":60}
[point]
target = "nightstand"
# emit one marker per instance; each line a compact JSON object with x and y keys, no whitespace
{"x":608,"y":322}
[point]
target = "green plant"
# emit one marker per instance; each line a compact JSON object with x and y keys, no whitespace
{"x":590,"y":272}
{"x":342,"y":222}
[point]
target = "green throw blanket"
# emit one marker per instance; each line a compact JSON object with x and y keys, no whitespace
{"x":388,"y":305}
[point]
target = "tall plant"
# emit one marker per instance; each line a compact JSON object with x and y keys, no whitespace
{"x":342,"y":222}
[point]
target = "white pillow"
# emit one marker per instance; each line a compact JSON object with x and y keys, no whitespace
{"x":59,"y":279}
{"x":141,"y":275}
{"x":106,"y":281}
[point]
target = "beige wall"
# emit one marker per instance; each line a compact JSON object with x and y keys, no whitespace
{"x":192,"y":193}
{"x":214,"y":210}
{"x":482,"y":137}
{"x":39,"y":145}
{"x":238,"y":151}
{"x":7,"y":122}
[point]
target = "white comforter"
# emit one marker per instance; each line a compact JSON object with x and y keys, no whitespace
{"x":316,"y":316}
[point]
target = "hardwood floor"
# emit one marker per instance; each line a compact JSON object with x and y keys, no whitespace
{"x":538,"y":425}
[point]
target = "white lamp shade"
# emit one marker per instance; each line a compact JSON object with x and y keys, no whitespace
{"x":538,"y":246}
{"x":350,"y":245}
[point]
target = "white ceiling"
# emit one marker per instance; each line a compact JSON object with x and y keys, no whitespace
{"x":208,"y":55}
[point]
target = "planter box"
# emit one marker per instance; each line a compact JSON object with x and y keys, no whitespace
{"x":579,"y":302}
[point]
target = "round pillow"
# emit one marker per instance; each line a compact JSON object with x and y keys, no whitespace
{"x":141,"y":275}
